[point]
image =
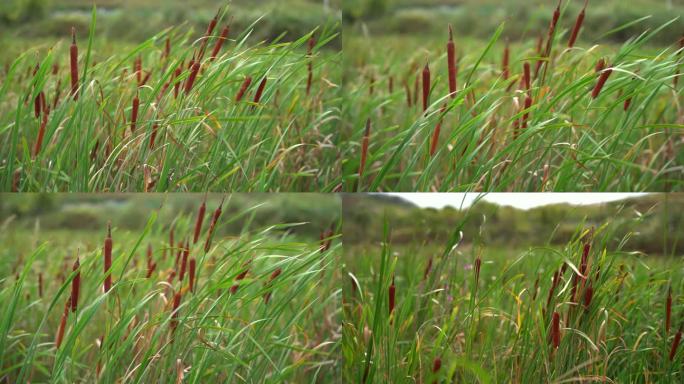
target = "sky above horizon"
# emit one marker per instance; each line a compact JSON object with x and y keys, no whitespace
{"x":517,"y":200}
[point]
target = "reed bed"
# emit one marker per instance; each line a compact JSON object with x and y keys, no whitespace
{"x":179,"y":112}
{"x":112,"y":306}
{"x":468,"y":313}
{"x":529,"y":114}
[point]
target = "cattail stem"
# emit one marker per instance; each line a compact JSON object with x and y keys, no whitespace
{"x":74,"y":64}
{"x":451,"y":63}
{"x":108,"y":259}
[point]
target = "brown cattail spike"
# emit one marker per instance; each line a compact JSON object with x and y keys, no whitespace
{"x":451,"y":63}
{"x":243,"y":88}
{"x":210,"y":232}
{"x":426,"y":87}
{"x":391,"y":293}
{"x":675,"y":344}
{"x":555,"y":330}
{"x":219,"y":42}
{"x":200,"y":220}
{"x":75,"y":286}
{"x":73,"y":51}
{"x":578,"y":26}
{"x":192,"y":274}
{"x":601,"y":82}
{"x":62,"y":325}
{"x":260,"y":90}
{"x":364,"y":147}
{"x":668,"y":310}
{"x":108,"y":259}
{"x":505,"y":71}
{"x":134,"y":112}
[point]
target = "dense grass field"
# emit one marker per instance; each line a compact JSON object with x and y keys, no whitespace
{"x":588,"y":117}
{"x":169,"y":115}
{"x":257,"y":306}
{"x":463,"y":311}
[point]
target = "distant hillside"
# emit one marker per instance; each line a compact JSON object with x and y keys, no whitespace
{"x":654,"y":223}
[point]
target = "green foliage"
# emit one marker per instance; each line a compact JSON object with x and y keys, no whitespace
{"x":19,"y":11}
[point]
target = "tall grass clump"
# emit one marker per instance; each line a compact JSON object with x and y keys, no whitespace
{"x":465,"y":312}
{"x":175,"y":113}
{"x":531,"y":115}
{"x":150,"y":322}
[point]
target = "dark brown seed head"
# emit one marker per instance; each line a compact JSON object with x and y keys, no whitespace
{"x":200,"y":220}
{"x":675,"y":343}
{"x":555,"y":330}
{"x":73,"y":55}
{"x":426,"y":86}
{"x":75,"y":286}
{"x":436,"y":364}
{"x":668,"y":310}
{"x":577,"y":27}
{"x":108,"y":258}
{"x":391,"y":293}
{"x":192,"y":274}
{"x":364,"y":147}
{"x":243,"y":88}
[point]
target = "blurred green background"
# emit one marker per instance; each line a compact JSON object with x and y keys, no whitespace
{"x":654,"y":223}
{"x":27,"y":23}
{"x":80,"y":214}
{"x":523,"y":18}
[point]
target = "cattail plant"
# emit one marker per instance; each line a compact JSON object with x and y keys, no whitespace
{"x":192,"y":274}
{"x":137,"y":68}
{"x":578,"y":26}
{"x":184,"y":261}
{"x":207,"y":34}
{"x":260,"y":90}
{"x":426,"y":86}
{"x":364,"y":148}
{"x":200,"y":220}
{"x":74,"y":64}
{"x":505,"y":71}
{"x":555,"y":330}
{"x":62,"y":325}
{"x":108,"y":259}
{"x":219,"y":42}
{"x":240,"y":277}
{"x":174,"y":312}
{"x":194,"y":70}
{"x":601,"y":82}
{"x":134,"y":112}
{"x":390,"y":84}
{"x":41,"y":133}
{"x":451,"y":63}
{"x":153,"y":135}
{"x":243,"y":88}
{"x":668,"y":310}
{"x":428,"y":268}
{"x":435,"y":134}
{"x":151,"y":265}
{"x":478,"y":264}
{"x":212,"y":226}
{"x":176,"y":85}
{"x":526,"y":76}
{"x":309,"y":53}
{"x":588,"y":295}
{"x":391,"y":296}
{"x":675,"y":343}
{"x":40,"y":284}
{"x":75,"y":285}
{"x":274,"y":275}
{"x":436,"y":366}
